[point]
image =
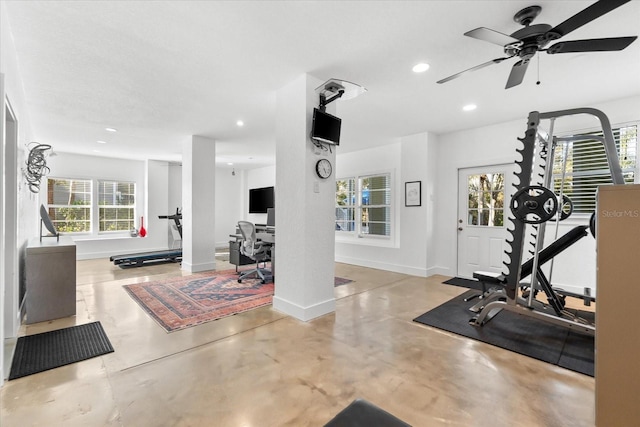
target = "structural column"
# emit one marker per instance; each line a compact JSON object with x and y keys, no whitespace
{"x":156,"y":201}
{"x":198,"y":204}
{"x":305,"y":208}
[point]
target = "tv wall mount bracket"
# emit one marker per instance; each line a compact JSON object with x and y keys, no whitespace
{"x":334,"y":89}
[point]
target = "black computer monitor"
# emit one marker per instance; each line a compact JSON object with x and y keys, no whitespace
{"x":325,"y":127}
{"x":261,"y":199}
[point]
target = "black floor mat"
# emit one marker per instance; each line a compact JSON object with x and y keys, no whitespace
{"x":463,"y":283}
{"x":521,"y":334}
{"x":49,"y":350}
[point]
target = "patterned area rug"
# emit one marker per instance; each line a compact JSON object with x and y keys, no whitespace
{"x":186,"y":301}
{"x":182,"y":302}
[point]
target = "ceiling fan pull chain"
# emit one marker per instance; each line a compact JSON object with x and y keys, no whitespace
{"x":538,"y":82}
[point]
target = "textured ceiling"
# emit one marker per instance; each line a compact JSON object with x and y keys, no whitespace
{"x":164,"y":70}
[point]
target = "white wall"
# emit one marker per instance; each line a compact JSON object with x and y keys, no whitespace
{"x":574,"y":269}
{"x":162,"y":199}
{"x":230,"y":199}
{"x":410,"y":159}
{"x":229,"y":202}
{"x":19,"y":203}
{"x":101,"y":245}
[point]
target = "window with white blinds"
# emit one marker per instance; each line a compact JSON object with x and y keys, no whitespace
{"x":346,"y":204}
{"x":72,"y":204}
{"x":116,"y":205}
{"x":582,"y":166}
{"x":69,"y":204}
{"x":363,"y":205}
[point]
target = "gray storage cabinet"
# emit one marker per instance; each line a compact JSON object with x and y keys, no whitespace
{"x":50,"y":268}
{"x":235,"y":257}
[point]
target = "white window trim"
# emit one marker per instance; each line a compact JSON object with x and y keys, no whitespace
{"x":95,"y":213}
{"x":579,"y":218}
{"x":353,"y":237}
{"x":54,"y":205}
{"x":96,"y":193}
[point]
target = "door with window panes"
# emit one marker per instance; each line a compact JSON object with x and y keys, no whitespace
{"x":483,"y":202}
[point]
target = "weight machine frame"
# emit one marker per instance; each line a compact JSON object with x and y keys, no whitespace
{"x":533,"y":160}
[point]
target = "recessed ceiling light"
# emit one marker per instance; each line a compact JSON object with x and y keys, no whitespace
{"x":240,"y":123}
{"x":420,"y":68}
{"x":96,"y":151}
{"x":101,"y":142}
{"x":230,"y":164}
{"x":111,"y":130}
{"x":469,"y":107}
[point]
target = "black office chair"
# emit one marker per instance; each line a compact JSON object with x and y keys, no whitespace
{"x":252,"y":248}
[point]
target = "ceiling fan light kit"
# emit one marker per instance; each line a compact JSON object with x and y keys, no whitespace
{"x":527,"y":41}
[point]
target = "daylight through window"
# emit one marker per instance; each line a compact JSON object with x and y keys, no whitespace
{"x":363,"y":205}
{"x":586,"y":166}
{"x":69,"y":204}
{"x":116,"y":205}
{"x":75,"y":205}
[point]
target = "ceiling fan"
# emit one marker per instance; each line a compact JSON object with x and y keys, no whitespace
{"x":525,"y":42}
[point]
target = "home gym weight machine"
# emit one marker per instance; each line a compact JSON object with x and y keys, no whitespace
{"x":532,"y":205}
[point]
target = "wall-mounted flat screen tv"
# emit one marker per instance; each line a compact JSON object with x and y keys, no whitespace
{"x":261,"y":199}
{"x":326,"y":128}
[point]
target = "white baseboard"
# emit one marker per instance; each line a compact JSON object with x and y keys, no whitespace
{"x":197,"y":268}
{"x":396,"y":268}
{"x":442,"y":271}
{"x":304,"y":313}
{"x":96,"y":255}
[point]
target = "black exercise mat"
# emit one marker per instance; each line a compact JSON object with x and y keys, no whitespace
{"x":361,"y":413}
{"x":49,"y":350}
{"x":464,"y":283}
{"x":521,"y":334}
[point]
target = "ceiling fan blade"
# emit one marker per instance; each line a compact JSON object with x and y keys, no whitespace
{"x":517,"y":73}
{"x":587,"y":15}
{"x":592,"y":45}
{"x":477,"y":67}
{"x":491,"y":36}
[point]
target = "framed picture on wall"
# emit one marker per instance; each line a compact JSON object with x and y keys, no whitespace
{"x":413,"y":193}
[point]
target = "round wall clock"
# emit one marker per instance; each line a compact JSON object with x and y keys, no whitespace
{"x":323,"y":168}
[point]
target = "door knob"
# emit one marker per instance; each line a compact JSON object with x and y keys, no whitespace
{"x":459,"y":228}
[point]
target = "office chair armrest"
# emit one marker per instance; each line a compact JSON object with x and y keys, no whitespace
{"x":261,"y":247}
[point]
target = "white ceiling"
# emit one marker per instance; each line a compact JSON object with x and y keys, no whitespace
{"x":162,"y":71}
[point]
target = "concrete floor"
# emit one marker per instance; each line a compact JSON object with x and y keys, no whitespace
{"x":263,"y":368}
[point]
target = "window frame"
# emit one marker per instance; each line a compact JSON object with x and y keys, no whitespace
{"x":94,"y":206}
{"x":592,"y":173}
{"x":349,"y":205}
{"x":131,"y":206}
{"x":491,"y":209}
{"x":68,"y":206}
{"x":359,"y":207}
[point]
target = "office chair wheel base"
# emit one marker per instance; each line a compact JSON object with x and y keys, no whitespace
{"x":239,"y":280}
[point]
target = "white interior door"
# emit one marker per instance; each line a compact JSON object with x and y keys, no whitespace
{"x":484,"y":194}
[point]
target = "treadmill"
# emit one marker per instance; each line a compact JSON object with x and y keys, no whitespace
{"x":138,"y":259}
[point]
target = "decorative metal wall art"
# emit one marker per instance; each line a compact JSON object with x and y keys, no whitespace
{"x":36,"y":165}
